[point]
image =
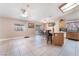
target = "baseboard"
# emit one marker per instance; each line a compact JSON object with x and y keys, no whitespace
{"x":4,"y":39}
{"x":20,"y":37}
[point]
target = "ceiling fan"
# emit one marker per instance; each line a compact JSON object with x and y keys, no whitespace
{"x":25,"y":11}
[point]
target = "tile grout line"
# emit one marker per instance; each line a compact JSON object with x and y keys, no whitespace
{"x":19,"y":52}
{"x":75,"y":48}
{"x":62,"y":49}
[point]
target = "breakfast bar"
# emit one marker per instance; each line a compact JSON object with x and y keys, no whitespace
{"x":58,"y":39}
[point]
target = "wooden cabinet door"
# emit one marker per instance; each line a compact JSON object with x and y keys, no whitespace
{"x":58,"y":39}
{"x":77,"y":36}
{"x":69,"y":35}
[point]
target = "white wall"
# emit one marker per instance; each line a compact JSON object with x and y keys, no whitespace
{"x":56,"y":27}
{"x":7,"y":28}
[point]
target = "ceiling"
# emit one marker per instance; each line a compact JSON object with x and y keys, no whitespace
{"x":38,"y":10}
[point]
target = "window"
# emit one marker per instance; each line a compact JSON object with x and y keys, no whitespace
{"x":67,"y":6}
{"x":19,"y":27}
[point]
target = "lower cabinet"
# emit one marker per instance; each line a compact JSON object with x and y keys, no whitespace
{"x":58,"y":38}
{"x":72,"y":35}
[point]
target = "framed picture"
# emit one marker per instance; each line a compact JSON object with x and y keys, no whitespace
{"x":30,"y":25}
{"x":51,"y":24}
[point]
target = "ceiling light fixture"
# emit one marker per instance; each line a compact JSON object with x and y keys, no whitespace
{"x":67,"y":6}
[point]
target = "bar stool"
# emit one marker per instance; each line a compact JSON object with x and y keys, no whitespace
{"x":49,"y":36}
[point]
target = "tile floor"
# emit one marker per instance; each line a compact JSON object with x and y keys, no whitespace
{"x":36,"y":46}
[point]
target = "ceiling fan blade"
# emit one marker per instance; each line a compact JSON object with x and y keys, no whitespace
{"x":23,"y":10}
